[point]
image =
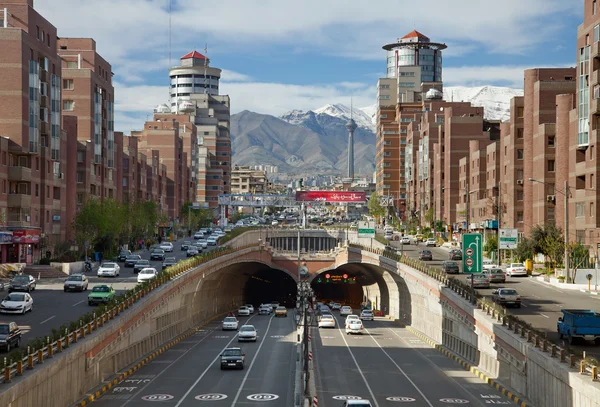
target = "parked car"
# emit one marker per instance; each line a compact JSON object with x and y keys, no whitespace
{"x":232,"y":358}
{"x":16,"y":303}
{"x":147,"y":274}
{"x":425,"y":255}
{"x":157,"y":254}
{"x":168,"y":262}
{"x":506,"y":296}
{"x":76,"y":282}
{"x":123,"y":255}
{"x":101,"y":294}
{"x":140,"y":264}
{"x":10,"y":335}
{"x":247,"y":333}
{"x":455,"y":254}
{"x":450,"y":267}
{"x":23,"y":282}
{"x":516,"y":269}
{"x":496,"y":275}
{"x":131,"y":260}
{"x":109,"y":269}
{"x":480,"y":280}
{"x":430,"y":242}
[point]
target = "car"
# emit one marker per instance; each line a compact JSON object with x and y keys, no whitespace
{"x":230,"y":324}
{"x":147,"y":274}
{"x":101,"y":294}
{"x":123,"y":255}
{"x":10,"y":335}
{"x":109,"y":269}
{"x":354,"y":326}
{"x":405,"y":240}
{"x":455,"y":254}
{"x":140,"y":264}
{"x":232,"y":358}
{"x":168,"y":262}
{"x":388,"y":236}
{"x":418,"y":238}
{"x":76,"y":282}
{"x":357,"y":403}
{"x":516,"y":269}
{"x":23,"y":282}
{"x":450,"y":267}
{"x":202,"y":243}
{"x":425,"y":255}
{"x":496,"y":275}
{"x":274,"y":223}
{"x":247,"y":333}
{"x":336,"y":306}
{"x":324,"y":309}
{"x":327,"y":321}
{"x":274,"y":305}
{"x":198,"y":235}
{"x":166,"y":246}
{"x":250,"y":308}
{"x":480,"y":280}
{"x":243,"y":311}
{"x":131,"y":260}
{"x":265,"y":309}
{"x":185,"y":245}
{"x":157,"y":254}
{"x":366,"y":315}
{"x":430,"y":242}
{"x":192,"y":251}
{"x":16,"y":303}
{"x":489,"y":265}
{"x":345,"y":310}
{"x":198,"y":247}
{"x":281,"y":311}
{"x":506,"y":296}
{"x":211,"y":241}
{"x":353,"y":316}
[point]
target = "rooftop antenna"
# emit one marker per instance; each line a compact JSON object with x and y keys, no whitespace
{"x":205,"y":67}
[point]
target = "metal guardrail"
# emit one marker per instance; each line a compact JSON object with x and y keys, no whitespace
{"x":500,"y":314}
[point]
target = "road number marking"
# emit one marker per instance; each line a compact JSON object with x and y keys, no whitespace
{"x":263,"y":397}
{"x":454,"y":401}
{"x":401,"y":399}
{"x":221,"y":337}
{"x":211,"y":397}
{"x":277,"y":336}
{"x":347,"y":398}
{"x":158,"y":397}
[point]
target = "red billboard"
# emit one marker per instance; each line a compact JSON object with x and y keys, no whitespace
{"x":331,"y":196}
{"x":26,"y":236}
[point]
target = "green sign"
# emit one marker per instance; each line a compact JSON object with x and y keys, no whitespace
{"x":366,"y":229}
{"x":472,"y":253}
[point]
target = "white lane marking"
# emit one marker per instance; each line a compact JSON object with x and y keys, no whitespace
{"x":400,"y":369}
{"x":77,"y":303}
{"x":536,"y":296}
{"x":357,"y":366}
{"x":237,"y":395}
{"x":167,"y":368}
{"x":545,"y":316}
{"x":545,"y":285}
{"x":46,"y":320}
{"x":524,"y":305}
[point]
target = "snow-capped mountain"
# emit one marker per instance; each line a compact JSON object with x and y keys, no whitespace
{"x":495,"y":100}
{"x":361,"y":117}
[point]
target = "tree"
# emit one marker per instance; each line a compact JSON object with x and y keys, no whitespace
{"x":546,"y":237}
{"x":579,"y":255}
{"x":375,"y":208}
{"x":428,"y":216}
{"x":491,"y":245}
{"x":525,"y":250}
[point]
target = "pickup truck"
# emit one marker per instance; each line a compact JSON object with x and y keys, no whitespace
{"x":579,"y":324}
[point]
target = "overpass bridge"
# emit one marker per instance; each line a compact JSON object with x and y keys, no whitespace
{"x":432,"y":305}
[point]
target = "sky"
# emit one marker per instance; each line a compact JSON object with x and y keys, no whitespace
{"x":278,"y":55}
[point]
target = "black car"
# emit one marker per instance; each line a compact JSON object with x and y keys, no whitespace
{"x":168,"y":262}
{"x":10,"y":335}
{"x":455,"y":254}
{"x":140,"y":264}
{"x":450,"y":267}
{"x":425,"y":255}
{"x":23,"y":282}
{"x":185,"y":245}
{"x":232,"y":358}
{"x":157,"y":254}
{"x":123,"y":254}
{"x":131,"y":260}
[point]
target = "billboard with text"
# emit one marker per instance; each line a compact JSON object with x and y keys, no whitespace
{"x":331,"y":196}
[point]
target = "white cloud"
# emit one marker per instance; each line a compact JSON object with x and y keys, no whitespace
{"x":509,"y":75}
{"x":230,"y":76}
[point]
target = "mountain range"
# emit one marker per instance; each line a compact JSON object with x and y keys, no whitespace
{"x":304,"y":142}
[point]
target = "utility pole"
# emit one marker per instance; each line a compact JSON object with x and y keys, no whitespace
{"x":499,"y":222}
{"x":468,"y":209}
{"x":566,"y":194}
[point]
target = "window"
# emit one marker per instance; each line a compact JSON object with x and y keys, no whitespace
{"x":579,"y":210}
{"x":80,"y":198}
{"x":68,"y":105}
{"x":519,"y":154}
{"x":68,"y":84}
{"x":596,"y":32}
{"x":591,"y":209}
{"x":520,"y":216}
{"x":71,"y":65}
{"x":519,"y":174}
{"x":37,"y":189}
{"x":519,"y":133}
{"x":519,"y":195}
{"x":551,"y":140}
{"x":550,"y":209}
{"x":550,"y":165}
{"x":384,"y":86}
{"x":406,"y":84}
{"x":79,"y":177}
{"x":407,"y":73}
{"x":38,"y":31}
{"x":3,"y":186}
{"x":520,"y":111}
{"x":594,"y":7}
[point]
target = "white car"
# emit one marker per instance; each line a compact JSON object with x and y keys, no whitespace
{"x":336,"y":306}
{"x":405,"y":240}
{"x":198,"y":235}
{"x":109,"y":270}
{"x":327,"y":321}
{"x":211,"y":241}
{"x":516,"y":269}
{"x":243,"y":311}
{"x":202,"y":243}
{"x":230,"y":324}
{"x":265,"y":309}
{"x":345,"y":310}
{"x":274,"y":223}
{"x":247,"y":333}
{"x":430,"y":243}
{"x":250,"y":308}
{"x":489,"y":266}
{"x":354,"y":326}
{"x":147,"y":274}
{"x":76,"y":282}
{"x":366,"y":315}
{"x":166,"y":246}
{"x":16,"y":303}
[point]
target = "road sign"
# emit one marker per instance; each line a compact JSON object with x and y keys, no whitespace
{"x":508,"y":239}
{"x":366,"y":229}
{"x":472,"y":259}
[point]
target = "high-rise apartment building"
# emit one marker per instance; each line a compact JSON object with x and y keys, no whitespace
{"x":246,"y":180}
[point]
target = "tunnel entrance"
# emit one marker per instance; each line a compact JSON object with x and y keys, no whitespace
{"x":266,"y":285}
{"x":341,"y":285}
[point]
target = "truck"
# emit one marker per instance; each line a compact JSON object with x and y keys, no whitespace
{"x":579,"y":324}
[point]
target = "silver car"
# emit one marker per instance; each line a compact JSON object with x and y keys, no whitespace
{"x":76,"y":282}
{"x":247,"y":333}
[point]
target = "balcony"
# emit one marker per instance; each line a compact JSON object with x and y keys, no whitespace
{"x":43,"y":101}
{"x":595,"y":51}
{"x":19,"y":174}
{"x":43,"y":75}
{"x":19,"y":201}
{"x":44,"y":128}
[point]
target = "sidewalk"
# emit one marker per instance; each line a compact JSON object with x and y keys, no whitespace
{"x":554,"y":282}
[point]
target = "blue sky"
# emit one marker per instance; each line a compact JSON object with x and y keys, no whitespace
{"x":279,"y":55}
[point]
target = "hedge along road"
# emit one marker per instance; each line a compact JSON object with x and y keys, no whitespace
{"x":52,"y":307}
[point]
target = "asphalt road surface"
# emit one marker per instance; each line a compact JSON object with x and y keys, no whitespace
{"x":52,"y":307}
{"x":189,"y":373}
{"x":541,"y":303}
{"x":389,"y":366}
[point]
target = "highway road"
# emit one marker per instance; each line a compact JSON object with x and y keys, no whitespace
{"x":390,"y":366}
{"x":541,"y":303}
{"x":53,"y":307}
{"x":189,"y":373}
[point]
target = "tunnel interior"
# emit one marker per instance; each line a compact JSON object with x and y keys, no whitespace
{"x":264,"y":285}
{"x":343,"y":285}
